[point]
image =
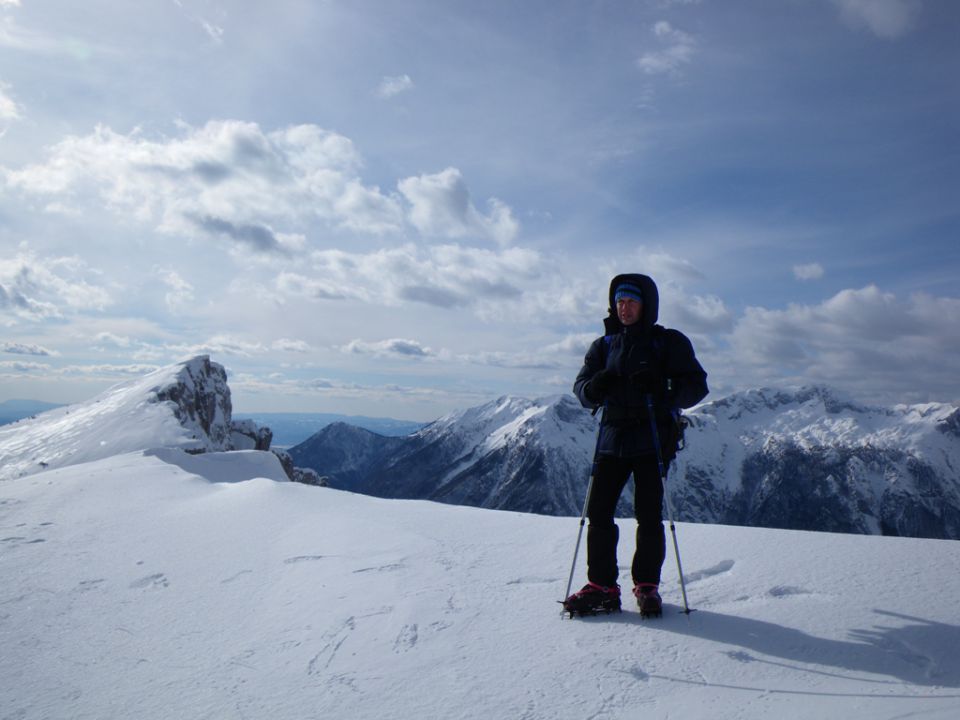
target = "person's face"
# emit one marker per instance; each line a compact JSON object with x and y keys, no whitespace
{"x":628,"y":310}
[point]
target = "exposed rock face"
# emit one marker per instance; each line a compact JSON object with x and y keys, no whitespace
{"x":809,"y":459}
{"x":300,"y":475}
{"x":246,"y":435}
{"x":201,"y":402}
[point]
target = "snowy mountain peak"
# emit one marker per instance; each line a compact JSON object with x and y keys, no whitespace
{"x":185,"y":405}
{"x":820,"y":399}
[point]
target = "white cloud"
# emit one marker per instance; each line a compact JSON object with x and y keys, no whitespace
{"x":214,"y":31}
{"x":22,"y":367}
{"x":219,"y":345}
{"x":677,"y":50}
{"x":514,"y":360}
{"x":36,"y":289}
{"x":228,"y":179}
{"x":109,"y":338}
{"x":179,"y":296}
{"x":443,"y":276}
{"x":667,"y":268}
{"x":696,"y":313}
{"x":108,"y":370}
{"x":576,"y":344}
{"x":884,"y":18}
{"x":287,"y":345}
{"x":9,"y":109}
{"x":864,"y":340}
{"x":810,"y":271}
{"x":256,"y":191}
{"x":392,"y":86}
{"x":9,"y":3}
{"x":394,"y":347}
{"x":441,"y":207}
{"x":16,"y":348}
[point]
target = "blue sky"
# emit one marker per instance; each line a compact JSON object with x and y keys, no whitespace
{"x":403,"y":208}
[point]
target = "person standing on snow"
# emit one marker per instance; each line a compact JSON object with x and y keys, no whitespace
{"x":635,"y":361}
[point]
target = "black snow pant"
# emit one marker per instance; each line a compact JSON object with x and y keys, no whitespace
{"x":610,"y":477}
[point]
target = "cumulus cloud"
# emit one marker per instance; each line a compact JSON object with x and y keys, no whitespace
{"x":443,"y":276}
{"x":677,"y":49}
{"x":810,"y":271}
{"x":884,"y":18}
{"x":866,"y":340}
{"x":260,"y":238}
{"x":15,"y":348}
{"x":392,"y":86}
{"x":441,"y":207}
{"x":394,"y":347}
{"x":697,"y":313}
{"x":37,"y":289}
{"x":228,"y":179}
{"x":254,"y":190}
{"x":109,"y":338}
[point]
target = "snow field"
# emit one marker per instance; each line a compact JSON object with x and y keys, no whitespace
{"x":144,"y":585}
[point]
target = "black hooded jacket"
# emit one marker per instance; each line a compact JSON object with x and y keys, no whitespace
{"x":627,"y":350}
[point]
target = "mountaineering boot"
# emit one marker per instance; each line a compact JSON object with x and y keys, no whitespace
{"x":593,"y":599}
{"x":648,"y":600}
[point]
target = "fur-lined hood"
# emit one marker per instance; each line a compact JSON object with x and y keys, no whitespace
{"x":651,"y":302}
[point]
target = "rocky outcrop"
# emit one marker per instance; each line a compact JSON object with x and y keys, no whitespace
{"x":185,"y":406}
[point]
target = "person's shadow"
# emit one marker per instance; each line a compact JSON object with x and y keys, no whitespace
{"x":914,"y":650}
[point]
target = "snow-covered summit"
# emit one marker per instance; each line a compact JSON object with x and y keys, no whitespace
{"x":512,"y":452}
{"x":185,"y":405}
{"x":510,"y":419}
{"x":814,"y":459}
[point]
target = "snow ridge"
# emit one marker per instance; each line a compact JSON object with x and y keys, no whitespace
{"x":185,"y":405}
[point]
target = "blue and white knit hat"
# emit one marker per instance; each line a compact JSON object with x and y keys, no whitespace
{"x":629,"y":291}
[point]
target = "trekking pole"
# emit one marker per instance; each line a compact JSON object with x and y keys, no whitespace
{"x":583,"y":516}
{"x":663,"y":484}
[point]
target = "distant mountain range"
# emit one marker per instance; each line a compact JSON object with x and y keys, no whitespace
{"x":293,"y":428}
{"x":810,"y":459}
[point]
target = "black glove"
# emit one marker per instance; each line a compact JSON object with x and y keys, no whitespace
{"x":600,"y":385}
{"x":648,"y":380}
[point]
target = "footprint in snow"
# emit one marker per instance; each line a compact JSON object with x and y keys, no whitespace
{"x":718,"y":569}
{"x":158,"y":580}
